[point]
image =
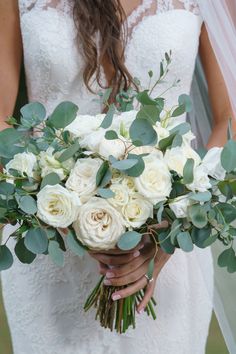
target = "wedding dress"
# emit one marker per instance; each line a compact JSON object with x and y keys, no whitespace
{"x":44,"y":303}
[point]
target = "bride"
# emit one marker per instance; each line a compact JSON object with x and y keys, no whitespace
{"x":71,"y":50}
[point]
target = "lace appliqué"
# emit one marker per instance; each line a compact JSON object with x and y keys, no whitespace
{"x":189,"y":5}
{"x":64,"y":6}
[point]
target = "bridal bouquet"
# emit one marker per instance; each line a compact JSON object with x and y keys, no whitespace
{"x":109,"y":179}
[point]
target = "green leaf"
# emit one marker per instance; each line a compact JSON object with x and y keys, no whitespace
{"x":188,"y":171}
{"x":6,"y":258}
{"x":177,"y":141}
{"x":228,"y":259}
{"x":36,"y":241}
{"x":33,"y":114}
{"x":200,"y":236}
{"x":226,"y":212}
{"x":106,"y":95}
{"x":106,"y":193}
{"x":228,"y":156}
{"x":185,"y":105}
{"x":64,"y":114}
{"x":6,"y":188}
{"x":198,"y":215}
{"x":165,"y":242}
{"x":125,"y":164}
{"x":107,"y":121}
{"x":181,"y":129}
{"x":166,"y":142}
{"x":230,"y":130}
{"x":101,"y":174}
{"x":28,"y":205}
{"x":111,"y":135}
{"x":129,"y":240}
{"x":144,"y":98}
{"x":55,"y":253}
{"x":142,"y":132}
{"x":22,"y":253}
{"x":160,"y":212}
{"x":185,"y":241}
{"x":201,"y":196}
{"x":69,"y":152}
{"x":8,"y":138}
{"x":51,"y":179}
{"x":137,"y":169}
{"x":178,"y":111}
{"x":150,"y":113}
{"x":74,"y":245}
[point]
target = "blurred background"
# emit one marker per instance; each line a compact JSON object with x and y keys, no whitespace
{"x":215,"y":345}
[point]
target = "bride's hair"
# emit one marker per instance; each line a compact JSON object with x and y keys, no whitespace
{"x":106,"y":18}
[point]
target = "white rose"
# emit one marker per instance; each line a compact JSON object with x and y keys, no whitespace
{"x":85,"y":124}
{"x":137,"y":211}
{"x":57,"y":206}
{"x":92,"y":141}
{"x":162,"y":132}
{"x":129,"y":182}
{"x":99,"y":225}
{"x":122,"y":122}
{"x":212,"y":163}
{"x":115,"y":148}
{"x":201,"y":182}
{"x":82,"y":178}
{"x":24,"y":163}
{"x":176,"y":158}
{"x":155,"y":181}
{"x":179,"y":206}
{"x":121,"y":196}
{"x":48,"y":164}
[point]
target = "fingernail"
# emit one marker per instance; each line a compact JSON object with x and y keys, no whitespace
{"x":136,"y":254}
{"x":110,"y":275}
{"x":116,"y":297}
{"x":141,"y":246}
{"x":141,"y":311}
{"x":107,"y":282}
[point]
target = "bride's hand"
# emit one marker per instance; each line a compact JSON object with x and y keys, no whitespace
{"x":129,"y":268}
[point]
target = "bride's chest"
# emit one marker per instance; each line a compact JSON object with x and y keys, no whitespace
{"x":51,"y":44}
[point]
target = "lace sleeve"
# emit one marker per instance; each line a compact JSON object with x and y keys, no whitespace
{"x":26,"y":5}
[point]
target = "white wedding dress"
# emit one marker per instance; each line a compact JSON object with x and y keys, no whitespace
{"x":44,"y":303}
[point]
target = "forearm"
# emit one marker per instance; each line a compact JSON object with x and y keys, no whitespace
{"x":219,"y":133}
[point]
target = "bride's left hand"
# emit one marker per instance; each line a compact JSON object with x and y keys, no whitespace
{"x":129,"y":268}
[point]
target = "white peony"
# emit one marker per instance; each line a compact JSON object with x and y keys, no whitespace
{"x":57,"y":206}
{"x":212,"y":163}
{"x":180,"y":206}
{"x":137,"y":211}
{"x":176,"y":158}
{"x":85,"y":124}
{"x":24,"y":163}
{"x":49,"y":163}
{"x":155,"y":181}
{"x":82,"y":178}
{"x":201,"y":182}
{"x":99,"y":225}
{"x":121,"y":196}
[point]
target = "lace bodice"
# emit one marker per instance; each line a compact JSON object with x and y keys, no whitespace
{"x":54,"y":60}
{"x":45,"y":303}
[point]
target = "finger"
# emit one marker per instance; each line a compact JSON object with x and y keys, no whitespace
{"x":129,"y":278}
{"x":149,"y":290}
{"x":115,"y":260}
{"x":117,"y":251}
{"x":62,"y":231}
{"x":146,"y":253}
{"x":130,"y":290}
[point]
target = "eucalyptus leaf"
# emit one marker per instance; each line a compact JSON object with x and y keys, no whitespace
{"x":111,"y":135}
{"x":33,"y":114}
{"x":200,"y":236}
{"x":129,"y":240}
{"x":8,"y":139}
{"x":74,"y":245}
{"x":101,"y":173}
{"x":188,"y":171}
{"x":181,"y":129}
{"x":226,"y":212}
{"x":28,"y":204}
{"x":228,"y":156}
{"x":69,"y":152}
{"x":6,"y":258}
{"x":137,"y":169}
{"x":64,"y":114}
{"x":144,"y":98}
{"x":107,"y":121}
{"x":6,"y":188}
{"x":23,"y":254}
{"x":198,"y":215}
{"x":165,"y":242}
{"x":55,"y":253}
{"x":36,"y":241}
{"x":166,"y":142}
{"x":106,"y":193}
{"x":228,"y":259}
{"x":201,"y":196}
{"x":150,"y":113}
{"x":125,"y":164}
{"x":51,"y":179}
{"x":142,"y":133}
{"x":185,"y":241}
{"x":150,"y":269}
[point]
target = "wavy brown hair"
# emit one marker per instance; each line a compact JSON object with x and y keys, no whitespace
{"x":105,"y":18}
